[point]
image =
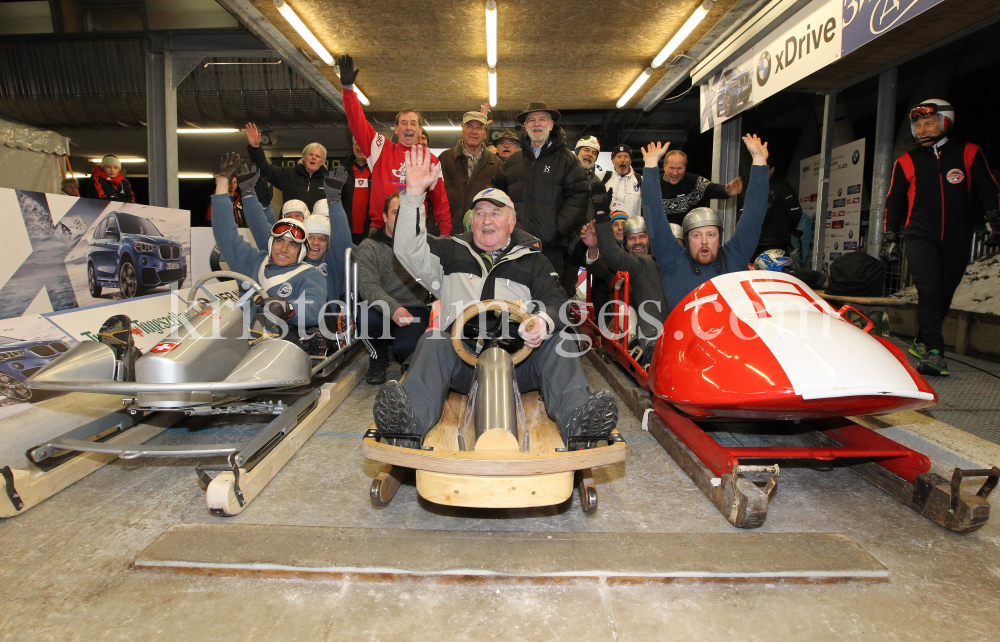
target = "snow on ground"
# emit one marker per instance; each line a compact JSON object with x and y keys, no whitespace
{"x":978,"y":292}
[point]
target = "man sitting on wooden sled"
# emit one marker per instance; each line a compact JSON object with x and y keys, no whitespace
{"x":491,"y":261}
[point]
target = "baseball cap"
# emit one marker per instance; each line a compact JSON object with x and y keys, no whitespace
{"x":474,"y":115}
{"x":495,"y":196}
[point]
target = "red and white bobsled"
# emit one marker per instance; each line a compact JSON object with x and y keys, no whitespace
{"x":763,"y":345}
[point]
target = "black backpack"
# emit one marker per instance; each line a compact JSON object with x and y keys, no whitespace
{"x":856,"y":274}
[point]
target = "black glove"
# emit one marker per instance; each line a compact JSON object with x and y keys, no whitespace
{"x":334,"y":182}
{"x":600,"y":197}
{"x":348,"y":74}
{"x":797,"y":233}
{"x":275,"y":306}
{"x":890,"y":248}
{"x":993,"y":225}
{"x":229,"y":166}
{"x":247,"y":180}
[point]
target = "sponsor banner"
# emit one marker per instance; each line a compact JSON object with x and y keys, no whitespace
{"x":728,"y":92}
{"x":866,"y":20}
{"x":847,"y":165}
{"x":808,"y":178}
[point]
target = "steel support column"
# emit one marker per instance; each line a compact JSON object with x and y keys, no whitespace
{"x":726,"y":167}
{"x":823,"y":186}
{"x":885,"y":131}
{"x":161,"y":123}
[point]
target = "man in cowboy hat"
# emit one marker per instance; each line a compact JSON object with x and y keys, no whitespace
{"x":548,"y":186}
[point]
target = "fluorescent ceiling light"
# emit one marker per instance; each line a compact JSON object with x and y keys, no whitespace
{"x":361,"y":96}
{"x":194,"y":175}
{"x":442,"y":128}
{"x":643,"y":77}
{"x":684,"y":32}
{"x":491,"y":33}
{"x":297,"y":24}
{"x":207,"y":130}
{"x":123,"y":160}
{"x":492,"y":77}
{"x":81,"y":175}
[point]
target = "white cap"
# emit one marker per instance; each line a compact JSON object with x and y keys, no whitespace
{"x":318,"y":224}
{"x":294,"y":205}
{"x":321,"y":208}
{"x":589,"y":141}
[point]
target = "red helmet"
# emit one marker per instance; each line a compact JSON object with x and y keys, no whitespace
{"x":944,"y":110}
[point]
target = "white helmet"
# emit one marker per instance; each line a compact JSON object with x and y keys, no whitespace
{"x":294,"y":230}
{"x":318,"y":224}
{"x":944,"y":110}
{"x":294,"y":205}
{"x":589,"y":141}
{"x":321,"y":208}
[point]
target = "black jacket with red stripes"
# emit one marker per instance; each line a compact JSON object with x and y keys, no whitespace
{"x":931,"y":193}
{"x":106,"y":188}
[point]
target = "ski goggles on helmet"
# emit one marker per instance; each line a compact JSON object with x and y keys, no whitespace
{"x":923,"y":111}
{"x":295,"y":232}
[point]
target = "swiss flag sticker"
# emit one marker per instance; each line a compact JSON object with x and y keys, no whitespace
{"x":165,"y":346}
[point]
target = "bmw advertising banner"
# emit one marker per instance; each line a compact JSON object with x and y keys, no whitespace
{"x":842,"y":221}
{"x":818,"y":34}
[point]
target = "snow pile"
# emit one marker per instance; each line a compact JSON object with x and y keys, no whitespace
{"x":978,"y":292}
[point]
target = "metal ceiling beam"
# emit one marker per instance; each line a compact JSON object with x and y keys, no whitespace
{"x":259,"y":26}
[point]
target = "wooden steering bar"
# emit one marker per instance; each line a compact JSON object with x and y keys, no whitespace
{"x":477,"y":308}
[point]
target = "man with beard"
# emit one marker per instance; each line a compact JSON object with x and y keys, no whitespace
{"x":682,"y":269}
{"x":623,"y":183}
{"x":385,"y":157}
{"x":682,"y":192}
{"x":468,"y":168}
{"x":303,"y":181}
{"x":548,"y":187}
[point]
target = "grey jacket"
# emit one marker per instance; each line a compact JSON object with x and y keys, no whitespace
{"x":381,"y":277}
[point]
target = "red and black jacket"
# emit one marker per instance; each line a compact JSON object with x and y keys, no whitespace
{"x":103,"y":187}
{"x":931,"y":194}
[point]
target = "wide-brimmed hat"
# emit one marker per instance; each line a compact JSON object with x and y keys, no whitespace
{"x":539,"y":106}
{"x":507,"y":133}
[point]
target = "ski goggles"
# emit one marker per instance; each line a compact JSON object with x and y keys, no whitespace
{"x":292,"y":231}
{"x":923,"y":111}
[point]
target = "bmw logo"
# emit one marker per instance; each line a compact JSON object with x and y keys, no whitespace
{"x":855,"y":157}
{"x":763,"y":69}
{"x":840,"y":191}
{"x":836,"y":246}
{"x":850,"y":234}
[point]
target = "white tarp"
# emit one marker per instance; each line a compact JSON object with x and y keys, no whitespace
{"x":29,"y":157}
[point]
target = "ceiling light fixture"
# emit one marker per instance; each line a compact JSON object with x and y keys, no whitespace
{"x":194,"y":175}
{"x":442,"y":128}
{"x":297,"y":24}
{"x":207,"y":130}
{"x":491,"y":50}
{"x":639,"y":82}
{"x":675,"y":42}
{"x":685,"y":31}
{"x":123,"y":160}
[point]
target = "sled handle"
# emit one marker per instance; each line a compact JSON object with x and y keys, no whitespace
{"x":847,"y":307}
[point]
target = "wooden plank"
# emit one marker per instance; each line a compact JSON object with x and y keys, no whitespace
{"x":495,"y":492}
{"x":543,"y":432}
{"x":221,"y":496}
{"x":497,"y":440}
{"x":35,"y":485}
{"x":444,"y":434}
{"x":962,"y":332}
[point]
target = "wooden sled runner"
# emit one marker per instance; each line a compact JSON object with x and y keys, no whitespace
{"x":493,"y":448}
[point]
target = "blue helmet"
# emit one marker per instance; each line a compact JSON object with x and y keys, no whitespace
{"x":773,"y":261}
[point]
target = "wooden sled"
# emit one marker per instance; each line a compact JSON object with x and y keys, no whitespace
{"x":502,"y":467}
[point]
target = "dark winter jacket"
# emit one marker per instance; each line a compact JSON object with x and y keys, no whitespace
{"x":645,"y":286}
{"x":294,"y":182}
{"x":459,"y":186}
{"x":549,"y":192}
{"x":690,"y":192}
{"x":931,"y":193}
{"x":109,"y":189}
{"x":381,"y":277}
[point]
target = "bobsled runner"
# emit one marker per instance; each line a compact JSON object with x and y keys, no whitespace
{"x":492,"y":448}
{"x":758,"y":353}
{"x":211,"y":368}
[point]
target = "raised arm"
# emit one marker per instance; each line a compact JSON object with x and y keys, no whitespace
{"x":442,"y":208}
{"x":410,"y":241}
{"x":239,"y":254}
{"x":360,"y":128}
{"x":661,"y":237}
{"x":257,"y":157}
{"x":257,"y":220}
{"x":747,"y":234}
{"x":618,"y":260}
{"x":340,"y":230}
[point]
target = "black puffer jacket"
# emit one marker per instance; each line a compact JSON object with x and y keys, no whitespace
{"x":294,"y":182}
{"x":549,"y":192}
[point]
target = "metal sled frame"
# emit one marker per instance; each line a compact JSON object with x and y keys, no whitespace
{"x":718,"y":470}
{"x":121,"y":434}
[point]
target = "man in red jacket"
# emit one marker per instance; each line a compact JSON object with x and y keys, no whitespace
{"x":386,"y":158}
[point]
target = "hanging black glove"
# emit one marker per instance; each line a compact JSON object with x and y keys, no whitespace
{"x":247,"y":180}
{"x":993,"y":225}
{"x":348,"y":74}
{"x":334,"y":183}
{"x":229,"y":166}
{"x":890,"y":248}
{"x":601,"y":198}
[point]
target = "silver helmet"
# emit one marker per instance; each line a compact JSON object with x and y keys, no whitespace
{"x":634,"y":225}
{"x":701,"y":217}
{"x":678,"y":231}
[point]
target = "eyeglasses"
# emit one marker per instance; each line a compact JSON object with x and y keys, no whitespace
{"x":507,"y":143}
{"x":923,"y":111}
{"x":294,"y":232}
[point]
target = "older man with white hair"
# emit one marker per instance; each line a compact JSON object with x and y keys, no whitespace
{"x":493,"y":260}
{"x":303,"y":181}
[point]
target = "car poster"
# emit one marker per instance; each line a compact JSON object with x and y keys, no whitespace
{"x":63,"y":253}
{"x":847,"y":167}
{"x":727,"y":93}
